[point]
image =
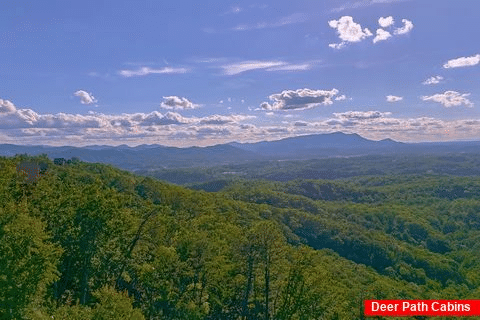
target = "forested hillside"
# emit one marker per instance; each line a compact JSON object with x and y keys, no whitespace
{"x":88,"y":241}
{"x":458,"y":164}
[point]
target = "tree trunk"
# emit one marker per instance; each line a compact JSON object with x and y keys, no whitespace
{"x":249,"y":286}
{"x":267,"y":286}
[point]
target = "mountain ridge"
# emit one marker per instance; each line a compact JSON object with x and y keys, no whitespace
{"x":152,"y":156}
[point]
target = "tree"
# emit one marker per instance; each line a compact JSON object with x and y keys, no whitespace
{"x":27,"y":261}
{"x":267,"y":244}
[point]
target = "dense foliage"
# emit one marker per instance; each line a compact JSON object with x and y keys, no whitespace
{"x":458,"y":164}
{"x":87,"y":241}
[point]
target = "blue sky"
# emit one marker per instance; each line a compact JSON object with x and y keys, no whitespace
{"x":185,"y":73}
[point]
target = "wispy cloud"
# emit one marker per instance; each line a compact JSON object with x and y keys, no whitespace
{"x":292,"y":67}
{"x":463,"y":62}
{"x":144,"y":71}
{"x":236,"y":68}
{"x":291,"y":19}
{"x":233,"y":10}
{"x":394,"y":98}
{"x":244,"y":66}
{"x":362,"y":4}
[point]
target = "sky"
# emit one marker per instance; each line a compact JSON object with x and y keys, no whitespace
{"x":198,"y":73}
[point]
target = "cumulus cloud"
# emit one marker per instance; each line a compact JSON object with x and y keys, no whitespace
{"x":462,"y":62}
{"x":85,"y":97}
{"x":450,"y":99}
{"x":300,"y":99}
{"x":6,"y":106}
{"x":382,"y":35}
{"x":177,"y":103}
{"x":433,"y":80}
{"x":144,"y":71}
{"x":348,"y":31}
{"x":407,"y":27}
{"x":385,"y":22}
{"x":340,"y":98}
{"x":394,"y":99}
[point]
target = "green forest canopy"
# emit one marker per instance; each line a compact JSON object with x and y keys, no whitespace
{"x":88,"y":241}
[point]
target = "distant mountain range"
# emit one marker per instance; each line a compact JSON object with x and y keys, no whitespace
{"x":145,"y":157}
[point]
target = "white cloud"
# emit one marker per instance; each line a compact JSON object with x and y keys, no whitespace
{"x":236,"y":68}
{"x":382,"y":35}
{"x":291,"y":19}
{"x":299,"y":99}
{"x":348,"y":31}
{"x":361,"y":115}
{"x":462,"y":62}
{"x":407,"y":27}
{"x":244,"y":66}
{"x":300,"y":124}
{"x":385,"y":22}
{"x":394,"y":99}
{"x":450,"y":99}
{"x":174,"y":130}
{"x":217,"y":119}
{"x":340,"y":98}
{"x":291,"y":67}
{"x":6,"y":106}
{"x":338,"y":45}
{"x":233,"y":10}
{"x":177,"y":103}
{"x":85,"y":97}
{"x":144,"y":71}
{"x":433,"y":80}
{"x":155,"y":118}
{"x":363,"y":4}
